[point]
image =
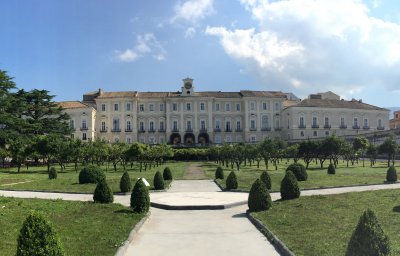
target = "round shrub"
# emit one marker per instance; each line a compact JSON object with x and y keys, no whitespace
{"x":102,"y":193}
{"x":38,"y":238}
{"x":91,"y":174}
{"x":331,"y":169}
{"x":368,"y":237}
{"x":266,"y":179}
{"x":259,"y":197}
{"x":125,"y":184}
{"x":231,"y":181}
{"x":140,"y":199}
{"x":289,"y":187}
{"x":391,"y":174}
{"x":52,"y":173}
{"x":158,"y":181}
{"x":167,"y":174}
{"x":298,"y":170}
{"x":219,"y":173}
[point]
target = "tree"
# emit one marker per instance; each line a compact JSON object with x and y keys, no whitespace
{"x":289,"y":187}
{"x":103,"y":194}
{"x":140,"y":199}
{"x":372,"y":153}
{"x":360,"y":143}
{"x":259,"y":197}
{"x":307,"y":151}
{"x":125,"y":184}
{"x":389,"y":147}
{"x":18,"y":150}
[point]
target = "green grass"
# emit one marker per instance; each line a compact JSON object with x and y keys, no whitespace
{"x":36,"y":178}
{"x":84,"y":228}
{"x":317,"y":178}
{"x":322,"y":225}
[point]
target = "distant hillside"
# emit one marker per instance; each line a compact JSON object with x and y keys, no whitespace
{"x":392,"y":109}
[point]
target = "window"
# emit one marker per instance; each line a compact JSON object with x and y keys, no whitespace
{"x":277,"y":124}
{"x":141,"y":107}
{"x":217,"y":139}
{"x":103,"y":126}
{"x":253,"y":138}
{"x":188,"y":107}
{"x":237,"y":107}
{"x":253,"y":124}
{"x":128,"y":106}
{"x":141,"y":139}
{"x":252,"y":105}
{"x":151,"y":107}
{"x":128,"y":125}
{"x":162,"y":128}
{"x":342,"y":123}
{"x":217,"y":107}
{"x":315,"y":133}
{"x":203,"y":125}
{"x":84,"y":124}
{"x":217,"y":124}
{"x":326,"y":121}
{"x":365,"y":122}
{"x":397,"y":115}
{"x":301,"y":122}
{"x":103,"y":107}
{"x":128,"y":140}
{"x":277,"y":106}
{"x":228,"y":139}
{"x":141,"y":126}
{"x":116,"y":107}
{"x":151,"y":126}
{"x":326,"y":133}
{"x":264,"y":122}
{"x":202,"y":106}
{"x":227,"y":107}
{"x":161,"y":107}
{"x":175,"y":125}
{"x":189,"y":125}
{"x":380,"y":123}
{"x":228,"y":126}
{"x":264,"y":106}
{"x":355,"y":122}
{"x":84,"y":136}
{"x":314,"y":121}
{"x":302,"y":134}
{"x":116,"y":124}
{"x":174,"y":107}
{"x":238,"y":126}
{"x":71,"y":124}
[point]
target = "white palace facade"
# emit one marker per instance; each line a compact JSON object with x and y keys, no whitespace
{"x":192,"y":117}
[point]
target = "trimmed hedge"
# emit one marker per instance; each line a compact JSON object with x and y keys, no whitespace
{"x":259,"y":197}
{"x":158,"y":181}
{"x":368,"y":238}
{"x":331,"y":169}
{"x":231,"y":181}
{"x":391,"y":174}
{"x":91,"y":174}
{"x":102,"y":193}
{"x":266,"y":179}
{"x":125,"y":184}
{"x":167,"y":174}
{"x":298,"y":170}
{"x":38,"y":238}
{"x":219,"y":173}
{"x":289,"y":187}
{"x":140,"y":199}
{"x":52,"y":173}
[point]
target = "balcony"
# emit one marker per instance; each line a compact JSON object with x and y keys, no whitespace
{"x":217,"y":129}
{"x":343,"y":126}
{"x":128,"y":130}
{"x":278,"y":129}
{"x":175,"y":129}
{"x":366,"y":127}
{"x":152,"y":130}
{"x":189,"y":130}
{"x":253,"y":129}
{"x":103,"y":130}
{"x":356,"y":127}
{"x":266,"y":129}
{"x":84,"y":128}
{"x":116,"y":130}
{"x":141,"y":131}
{"x":238,"y":130}
{"x":380,"y":128}
{"x":327,"y":126}
{"x":228,"y":130}
{"x":315,"y":126}
{"x":161,"y":130}
{"x":203,"y":130}
{"x":302,"y":126}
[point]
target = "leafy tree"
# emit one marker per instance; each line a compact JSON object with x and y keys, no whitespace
{"x":389,"y":147}
{"x":18,"y":150}
{"x":361,"y":144}
{"x":308,"y":150}
{"x":372,"y":153}
{"x":259,"y":197}
{"x":116,"y":153}
{"x":293,"y":152}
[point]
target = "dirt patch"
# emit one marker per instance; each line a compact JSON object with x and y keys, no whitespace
{"x":194,"y":172}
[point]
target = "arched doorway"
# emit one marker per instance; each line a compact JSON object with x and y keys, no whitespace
{"x":203,"y":138}
{"x":175,"y":139}
{"x":189,"y":138}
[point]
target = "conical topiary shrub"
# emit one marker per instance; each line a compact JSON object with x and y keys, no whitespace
{"x":219,"y":173}
{"x":140,"y":199}
{"x":391,"y":174}
{"x":231,"y":181}
{"x":368,"y":238}
{"x":102,"y":193}
{"x":52,"y":173}
{"x":167,"y":174}
{"x":289,"y":187}
{"x":259,"y":197}
{"x":158,"y":181}
{"x":331,"y":169}
{"x":298,"y":170}
{"x":125,"y":184}
{"x":38,"y":238}
{"x":266,"y":179}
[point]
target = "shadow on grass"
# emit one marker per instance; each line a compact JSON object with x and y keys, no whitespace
{"x":396,"y":209}
{"x":125,"y":211}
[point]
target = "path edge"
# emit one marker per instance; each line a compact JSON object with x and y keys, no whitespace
{"x":122,"y":249}
{"x":272,"y":238}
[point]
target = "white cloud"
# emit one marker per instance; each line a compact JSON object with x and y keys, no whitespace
{"x":192,"y":11}
{"x":146,"y":44}
{"x":301,"y":45}
{"x":376,"y":3}
{"x":190,"y":32}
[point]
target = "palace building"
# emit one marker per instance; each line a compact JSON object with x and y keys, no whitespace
{"x":192,"y":117}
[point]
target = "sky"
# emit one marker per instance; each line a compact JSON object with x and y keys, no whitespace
{"x":71,"y":47}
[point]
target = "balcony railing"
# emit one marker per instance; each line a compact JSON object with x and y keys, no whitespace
{"x":327,"y":126}
{"x":228,"y":130}
{"x":128,"y":130}
{"x":142,"y":131}
{"x":103,"y":130}
{"x":84,"y":128}
{"x":238,"y":130}
{"x":343,"y":126}
{"x":161,"y":130}
{"x":366,"y":127}
{"x":217,"y":129}
{"x":302,"y":126}
{"x":152,"y":130}
{"x":189,"y":130}
{"x":356,"y":127}
{"x":203,"y":130}
{"x":380,"y":128}
{"x":253,"y":129}
{"x":175,"y":130}
{"x":264,"y":129}
{"x":315,"y":126}
{"x":116,"y":130}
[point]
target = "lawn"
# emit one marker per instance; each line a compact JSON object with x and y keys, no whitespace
{"x":36,"y":178}
{"x":322,"y":225}
{"x":84,"y":228}
{"x":317,"y":178}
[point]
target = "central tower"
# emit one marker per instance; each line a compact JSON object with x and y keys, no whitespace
{"x":187,"y":88}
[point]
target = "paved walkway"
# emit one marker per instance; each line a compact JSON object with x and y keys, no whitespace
{"x":193,"y":172}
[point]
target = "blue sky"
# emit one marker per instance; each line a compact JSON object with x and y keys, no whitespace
{"x":351,"y":47}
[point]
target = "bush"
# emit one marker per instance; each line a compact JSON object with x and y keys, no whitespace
{"x":266,"y":179}
{"x":231,"y":181}
{"x":52,"y":173}
{"x":102,"y":193}
{"x":298,"y":170}
{"x":158,"y":181}
{"x":219,"y":173}
{"x":259,"y":197}
{"x":368,"y":238}
{"x":331,"y":169}
{"x":140,"y":199}
{"x":38,"y":238}
{"x":125,"y":184}
{"x":289,"y":187}
{"x":391,"y":174}
{"x":91,"y":174}
{"x":167,"y":174}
